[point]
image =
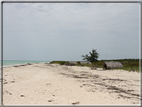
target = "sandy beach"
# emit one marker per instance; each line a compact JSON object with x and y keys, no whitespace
{"x":46,"y":83}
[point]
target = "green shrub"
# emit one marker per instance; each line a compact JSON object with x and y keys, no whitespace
{"x":59,"y":62}
{"x":78,"y":62}
{"x":62,"y":62}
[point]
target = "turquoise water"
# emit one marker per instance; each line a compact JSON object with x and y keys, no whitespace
{"x":11,"y":62}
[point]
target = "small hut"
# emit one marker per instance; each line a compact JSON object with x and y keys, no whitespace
{"x":85,"y":62}
{"x":73,"y":62}
{"x":111,"y":65}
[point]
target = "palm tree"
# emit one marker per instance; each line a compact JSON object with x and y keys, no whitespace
{"x":93,"y":56}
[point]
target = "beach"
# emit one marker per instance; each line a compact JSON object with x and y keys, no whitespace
{"x":53,"y":84}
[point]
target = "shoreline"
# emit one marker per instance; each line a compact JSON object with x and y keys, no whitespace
{"x":24,"y":64}
{"x":20,"y":62}
{"x":55,"y":84}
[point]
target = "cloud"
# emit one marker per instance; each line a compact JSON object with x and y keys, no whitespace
{"x":68,"y":30}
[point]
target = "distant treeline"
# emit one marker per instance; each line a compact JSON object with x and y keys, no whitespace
{"x":123,"y":60}
{"x":129,"y":62}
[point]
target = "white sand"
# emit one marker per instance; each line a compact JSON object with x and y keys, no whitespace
{"x":56,"y":84}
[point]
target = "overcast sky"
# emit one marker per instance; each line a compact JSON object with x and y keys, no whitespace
{"x":66,"y":31}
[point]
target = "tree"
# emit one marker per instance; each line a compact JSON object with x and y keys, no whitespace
{"x":93,"y":56}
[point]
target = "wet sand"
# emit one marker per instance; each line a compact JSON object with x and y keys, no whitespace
{"x":54,"y":84}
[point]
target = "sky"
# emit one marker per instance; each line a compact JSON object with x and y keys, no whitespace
{"x":66,"y":31}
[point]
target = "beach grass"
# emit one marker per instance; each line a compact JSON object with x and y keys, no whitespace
{"x":128,"y":64}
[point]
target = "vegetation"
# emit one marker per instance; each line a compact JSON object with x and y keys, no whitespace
{"x":128,"y":64}
{"x":68,"y":63}
{"x":93,"y":56}
{"x":59,"y":62}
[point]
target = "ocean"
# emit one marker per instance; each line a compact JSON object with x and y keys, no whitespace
{"x":18,"y":62}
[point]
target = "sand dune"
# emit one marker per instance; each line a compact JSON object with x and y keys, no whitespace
{"x":56,"y":84}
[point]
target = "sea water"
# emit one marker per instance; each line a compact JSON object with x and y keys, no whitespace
{"x":19,"y":62}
